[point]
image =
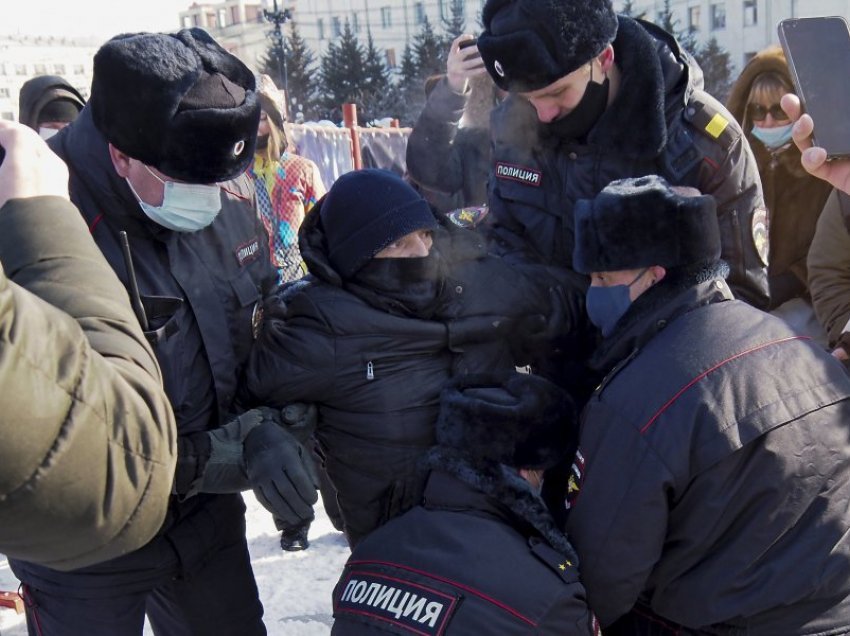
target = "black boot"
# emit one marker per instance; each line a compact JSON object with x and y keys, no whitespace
{"x":295,"y":539}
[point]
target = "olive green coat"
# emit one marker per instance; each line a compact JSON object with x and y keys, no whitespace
{"x":88,"y":437}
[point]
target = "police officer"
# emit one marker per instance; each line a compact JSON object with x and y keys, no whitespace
{"x":482,"y":554}
{"x":159,"y":153}
{"x":710,"y":491}
{"x":597,"y":97}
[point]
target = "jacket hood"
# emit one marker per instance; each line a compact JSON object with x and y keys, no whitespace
{"x":39,"y":91}
{"x":658,"y":78}
{"x":770,"y":59}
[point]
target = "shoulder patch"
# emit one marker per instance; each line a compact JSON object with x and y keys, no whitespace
{"x":248,"y":252}
{"x":711,"y":122}
{"x":557,"y":562}
{"x":760,"y":235}
{"x":401,"y":606}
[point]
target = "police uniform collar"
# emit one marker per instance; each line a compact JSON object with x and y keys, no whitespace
{"x":635,"y":122}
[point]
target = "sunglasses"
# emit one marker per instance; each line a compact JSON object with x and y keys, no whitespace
{"x":759,"y":112}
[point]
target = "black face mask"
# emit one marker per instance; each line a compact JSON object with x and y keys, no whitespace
{"x":584,"y":116}
{"x":262,"y":142}
{"x":413,"y":282}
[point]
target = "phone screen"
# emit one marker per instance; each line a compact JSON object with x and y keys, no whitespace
{"x":818,"y":54}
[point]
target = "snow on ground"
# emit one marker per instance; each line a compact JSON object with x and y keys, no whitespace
{"x":295,"y":587}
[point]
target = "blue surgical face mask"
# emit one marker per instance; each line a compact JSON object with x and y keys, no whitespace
{"x":186,"y":207}
{"x":773,"y":138}
{"x":606,"y":305}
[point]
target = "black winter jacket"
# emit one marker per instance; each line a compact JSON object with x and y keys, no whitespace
{"x":202,"y":291}
{"x":376,"y":372}
{"x":661,"y":122}
{"x":444,"y":158}
{"x":468,"y":561}
{"x":713,"y":476}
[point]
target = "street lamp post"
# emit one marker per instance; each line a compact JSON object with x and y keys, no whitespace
{"x":279,"y":17}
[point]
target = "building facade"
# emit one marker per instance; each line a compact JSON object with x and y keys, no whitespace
{"x":742,"y":27}
{"x":238,"y":25}
{"x":24,"y":57}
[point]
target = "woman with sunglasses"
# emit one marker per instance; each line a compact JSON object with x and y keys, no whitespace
{"x":794,"y":198}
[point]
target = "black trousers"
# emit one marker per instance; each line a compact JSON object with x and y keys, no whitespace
{"x":220,"y":598}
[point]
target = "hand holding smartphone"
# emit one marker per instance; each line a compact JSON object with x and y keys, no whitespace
{"x":818,"y":54}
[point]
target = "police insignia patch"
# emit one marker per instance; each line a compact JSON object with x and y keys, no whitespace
{"x":257,"y":319}
{"x":574,"y":482}
{"x":760,"y":235}
{"x":527,"y":176}
{"x":409,"y":607}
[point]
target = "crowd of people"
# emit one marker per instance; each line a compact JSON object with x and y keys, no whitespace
{"x":581,"y":371}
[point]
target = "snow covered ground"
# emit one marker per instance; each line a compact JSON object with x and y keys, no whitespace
{"x":295,"y":587}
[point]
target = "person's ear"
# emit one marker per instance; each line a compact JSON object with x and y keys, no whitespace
{"x":120,"y":161}
{"x":657,"y":273}
{"x":606,"y":58}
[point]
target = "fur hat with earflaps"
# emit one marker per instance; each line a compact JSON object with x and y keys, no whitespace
{"x":177,"y":102}
{"x":529,"y":44}
{"x":643,"y":221}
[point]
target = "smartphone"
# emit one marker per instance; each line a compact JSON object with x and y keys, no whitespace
{"x":467,"y":43}
{"x":818,"y":55}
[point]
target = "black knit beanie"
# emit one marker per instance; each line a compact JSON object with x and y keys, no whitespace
{"x":520,"y":420}
{"x":365,"y":211}
{"x":529,"y":44}
{"x":639,"y":222}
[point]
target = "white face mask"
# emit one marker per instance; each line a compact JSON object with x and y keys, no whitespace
{"x":47,"y":133}
{"x":186,"y":207}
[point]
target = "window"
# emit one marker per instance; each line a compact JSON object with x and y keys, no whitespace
{"x":20,"y":69}
{"x":8,"y":116}
{"x":4,"y":92}
{"x":751,"y":13}
{"x":79,"y":69}
{"x":59,"y":69}
{"x":694,"y":18}
{"x":222,"y":18}
{"x":445,"y":11}
{"x":41,"y":69}
{"x":418,"y":13}
{"x":748,"y":56}
{"x":718,"y":16}
{"x":386,"y":17}
{"x":320,"y":23}
{"x":391,"y":61}
{"x":355,"y":23}
{"x":234,"y":15}
{"x":187,"y":21}
{"x":336,"y":26}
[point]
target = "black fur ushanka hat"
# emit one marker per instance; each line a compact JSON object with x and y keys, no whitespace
{"x":520,"y":420}
{"x":639,"y":222}
{"x":528,"y":44}
{"x":178,"y":102}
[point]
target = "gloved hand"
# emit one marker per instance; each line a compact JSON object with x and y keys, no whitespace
{"x":534,"y":334}
{"x":299,"y":418}
{"x":282,"y":475}
{"x":211,"y":461}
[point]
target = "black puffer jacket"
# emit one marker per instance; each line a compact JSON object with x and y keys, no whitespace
{"x":444,"y":158}
{"x":661,"y":122}
{"x":201,"y":291}
{"x":713,"y":478}
{"x":376,"y":372}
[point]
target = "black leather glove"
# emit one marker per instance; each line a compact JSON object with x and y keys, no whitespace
{"x":534,"y":335}
{"x":281,"y":473}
